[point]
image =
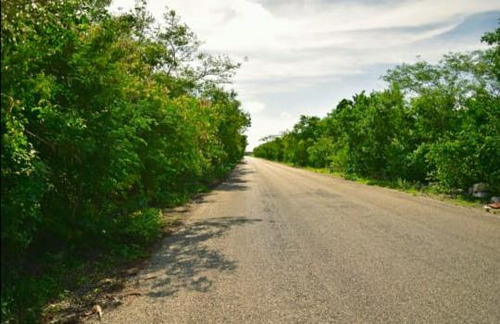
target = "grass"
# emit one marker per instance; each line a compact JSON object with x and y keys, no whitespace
{"x":61,"y":283}
{"x":414,"y":188}
{"x":65,"y":286}
{"x":95,"y":282}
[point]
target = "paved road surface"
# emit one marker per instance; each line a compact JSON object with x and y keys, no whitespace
{"x":281,"y":245}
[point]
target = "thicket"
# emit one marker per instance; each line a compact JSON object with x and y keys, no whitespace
{"x":104,"y":120}
{"x":435,"y":124}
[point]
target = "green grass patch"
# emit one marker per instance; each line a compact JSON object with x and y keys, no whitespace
{"x":53,"y":281}
{"x":411,"y":187}
{"x":33,"y":291}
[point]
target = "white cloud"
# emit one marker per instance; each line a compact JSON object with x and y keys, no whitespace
{"x":253,"y":107}
{"x":285,"y":115}
{"x":297,"y":45}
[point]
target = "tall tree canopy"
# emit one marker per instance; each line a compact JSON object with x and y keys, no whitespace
{"x":103,"y":118}
{"x":436,"y":123}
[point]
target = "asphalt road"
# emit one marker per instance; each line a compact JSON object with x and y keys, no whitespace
{"x":276,"y":244}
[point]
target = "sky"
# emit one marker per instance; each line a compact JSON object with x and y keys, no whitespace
{"x":301,"y":57}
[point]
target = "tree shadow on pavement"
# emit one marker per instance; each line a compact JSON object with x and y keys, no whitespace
{"x":183,"y":258}
{"x":236,"y":180}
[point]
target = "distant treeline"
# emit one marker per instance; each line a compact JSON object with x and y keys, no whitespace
{"x":435,"y":124}
{"x":104,"y":118}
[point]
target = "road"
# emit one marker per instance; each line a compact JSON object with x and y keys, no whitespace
{"x":276,"y":244}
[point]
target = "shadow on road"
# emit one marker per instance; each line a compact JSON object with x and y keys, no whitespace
{"x":235,"y":182}
{"x":184,"y":258}
{"x":236,"y":179}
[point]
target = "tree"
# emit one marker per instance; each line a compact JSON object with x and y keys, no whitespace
{"x":436,"y":123}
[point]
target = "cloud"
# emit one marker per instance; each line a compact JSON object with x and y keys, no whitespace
{"x":299,"y":48}
{"x":285,"y":115}
{"x":253,"y":107}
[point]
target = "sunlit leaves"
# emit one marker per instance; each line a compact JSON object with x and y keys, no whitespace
{"x":103,"y":117}
{"x":438,"y":123}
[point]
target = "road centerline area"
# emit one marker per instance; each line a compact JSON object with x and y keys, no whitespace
{"x":276,"y":244}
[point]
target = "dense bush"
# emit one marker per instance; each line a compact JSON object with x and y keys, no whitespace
{"x":103,"y":118}
{"x":436,"y":123}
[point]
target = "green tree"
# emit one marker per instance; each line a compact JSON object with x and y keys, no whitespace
{"x":436,"y":123}
{"x":103,"y":118}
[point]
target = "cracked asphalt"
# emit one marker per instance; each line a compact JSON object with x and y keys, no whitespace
{"x":274,"y":244}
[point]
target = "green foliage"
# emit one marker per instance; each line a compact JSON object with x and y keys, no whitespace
{"x":22,"y":302}
{"x":140,"y":227}
{"x":493,"y":38}
{"x":470,"y":154}
{"x":437,"y":123}
{"x":103,"y":118}
{"x":319,"y":154}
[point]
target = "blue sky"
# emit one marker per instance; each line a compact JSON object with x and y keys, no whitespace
{"x":306,"y":55}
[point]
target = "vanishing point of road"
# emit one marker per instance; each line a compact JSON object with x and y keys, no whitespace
{"x":275,"y":244}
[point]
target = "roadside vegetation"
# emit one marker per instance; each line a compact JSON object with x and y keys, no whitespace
{"x":105,"y":120}
{"x":435,"y":128}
